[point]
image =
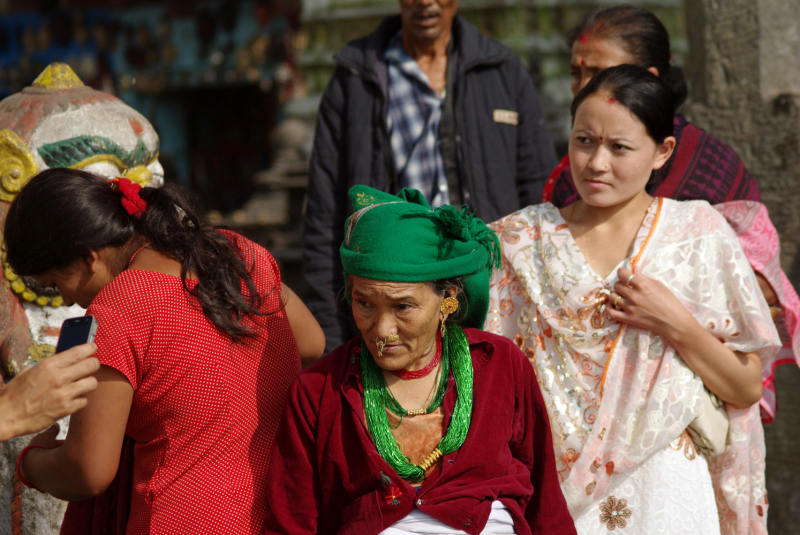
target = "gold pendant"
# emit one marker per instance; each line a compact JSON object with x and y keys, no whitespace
{"x":431,"y":459}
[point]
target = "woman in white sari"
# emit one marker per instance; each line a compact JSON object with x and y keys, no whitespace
{"x":627,"y":305}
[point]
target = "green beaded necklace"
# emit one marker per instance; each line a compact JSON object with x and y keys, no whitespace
{"x":456,"y":356}
{"x":391,"y":403}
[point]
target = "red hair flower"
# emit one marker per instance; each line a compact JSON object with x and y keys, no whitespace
{"x":131,"y":200}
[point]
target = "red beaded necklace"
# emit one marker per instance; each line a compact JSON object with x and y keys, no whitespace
{"x":432,"y":365}
{"x":139,"y":250}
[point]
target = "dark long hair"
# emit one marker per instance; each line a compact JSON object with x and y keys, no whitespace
{"x":640,"y":91}
{"x":63,"y":214}
{"x":642,"y":35}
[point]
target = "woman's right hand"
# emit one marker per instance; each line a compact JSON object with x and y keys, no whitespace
{"x":48,"y":391}
{"x":648,"y":304}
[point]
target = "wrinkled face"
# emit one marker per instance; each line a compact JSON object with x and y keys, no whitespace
{"x":427,"y":19}
{"x":611,"y":153}
{"x":407,"y":309}
{"x":591,"y":55}
{"x":107,"y":138}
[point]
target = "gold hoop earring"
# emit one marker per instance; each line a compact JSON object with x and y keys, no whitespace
{"x":441,"y":330}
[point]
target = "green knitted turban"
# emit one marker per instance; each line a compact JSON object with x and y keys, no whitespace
{"x":401,"y":239}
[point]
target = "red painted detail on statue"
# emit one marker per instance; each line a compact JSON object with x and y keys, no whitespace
{"x":49,"y":331}
{"x":15,"y":332}
{"x":583,"y":62}
{"x":22,"y":112}
{"x":137,"y":127}
{"x":16,"y":506}
{"x":424,"y":372}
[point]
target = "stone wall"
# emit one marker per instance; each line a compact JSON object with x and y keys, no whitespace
{"x":745,"y":76}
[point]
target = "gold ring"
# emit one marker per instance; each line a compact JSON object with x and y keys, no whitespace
{"x":616,"y":301}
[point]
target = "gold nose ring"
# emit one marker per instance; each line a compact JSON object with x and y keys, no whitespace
{"x":382,"y":343}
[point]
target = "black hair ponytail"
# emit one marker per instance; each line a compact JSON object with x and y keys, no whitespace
{"x":63,"y":214}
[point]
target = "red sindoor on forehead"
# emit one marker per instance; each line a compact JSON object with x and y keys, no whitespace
{"x":583,"y":38}
{"x":611,"y":101}
{"x":583,"y":62}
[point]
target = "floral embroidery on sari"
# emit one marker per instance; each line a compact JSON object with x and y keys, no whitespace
{"x":685,"y":442}
{"x":614,"y":513}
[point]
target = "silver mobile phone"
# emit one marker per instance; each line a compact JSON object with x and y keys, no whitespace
{"x":76,"y":331}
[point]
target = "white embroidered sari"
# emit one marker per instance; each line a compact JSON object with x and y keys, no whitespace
{"x":621,"y":398}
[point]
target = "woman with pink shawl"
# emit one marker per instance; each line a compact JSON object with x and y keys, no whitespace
{"x":630,"y":308}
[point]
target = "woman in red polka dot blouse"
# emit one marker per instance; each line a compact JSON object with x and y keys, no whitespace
{"x":196,"y":334}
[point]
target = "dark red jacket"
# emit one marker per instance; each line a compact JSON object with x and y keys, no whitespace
{"x":326,"y":477}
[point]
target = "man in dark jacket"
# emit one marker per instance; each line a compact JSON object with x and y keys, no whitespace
{"x":428,"y":102}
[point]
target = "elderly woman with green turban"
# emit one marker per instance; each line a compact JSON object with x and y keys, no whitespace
{"x":424,"y":423}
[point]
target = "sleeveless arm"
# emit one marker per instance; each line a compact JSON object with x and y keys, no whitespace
{"x":86,"y":464}
{"x":307,"y":332}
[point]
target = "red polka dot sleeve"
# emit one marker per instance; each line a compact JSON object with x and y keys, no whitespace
{"x":114,"y":347}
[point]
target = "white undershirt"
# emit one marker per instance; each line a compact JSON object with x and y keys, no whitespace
{"x":417,"y":522}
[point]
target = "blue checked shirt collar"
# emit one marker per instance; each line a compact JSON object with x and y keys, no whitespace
{"x":413,"y":118}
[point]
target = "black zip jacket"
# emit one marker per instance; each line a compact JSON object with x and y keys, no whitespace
{"x":492,"y":165}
